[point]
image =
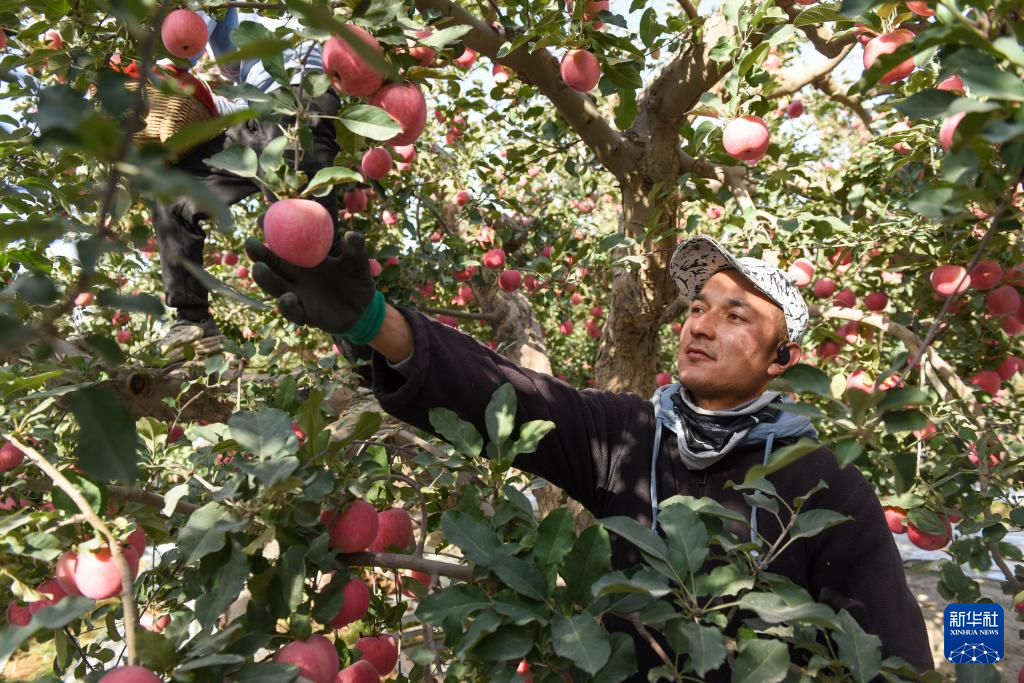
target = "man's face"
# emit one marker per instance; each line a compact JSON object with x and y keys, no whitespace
{"x":735,"y":326}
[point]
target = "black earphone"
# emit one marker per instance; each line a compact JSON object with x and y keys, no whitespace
{"x":783,"y":353}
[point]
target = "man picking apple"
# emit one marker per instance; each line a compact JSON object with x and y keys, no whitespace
{"x":178,"y":225}
{"x":620,"y":455}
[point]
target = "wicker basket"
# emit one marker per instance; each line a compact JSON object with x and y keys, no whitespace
{"x":167,"y":113}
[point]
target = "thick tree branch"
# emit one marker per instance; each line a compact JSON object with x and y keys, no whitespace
{"x":541,"y":69}
{"x":733,"y":176}
{"x":689,"y":8}
{"x":421,"y":564}
{"x":827,"y":85}
{"x":824,"y":41}
{"x":795,"y":78}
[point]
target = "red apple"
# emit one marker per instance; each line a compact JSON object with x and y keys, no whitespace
{"x":3,"y":39}
{"x":394,"y":532}
{"x":580,"y":70}
{"x":509,"y":280}
{"x":885,"y":44}
{"x":229,"y":258}
{"x":51,"y":588}
{"x":746,"y":138}
{"x":1003,"y":301}
{"x":357,"y":602}
{"x":184,"y":33}
{"x":97,"y":576}
{"x":1010,"y":366}
{"x":927,"y":541}
{"x":876,"y":301}
{"x":380,"y":651}
{"x":896,"y":518}
{"x":348,"y":72}
{"x":467,"y":58}
{"x":358,"y":672}
{"x":375,"y":268}
{"x":130,"y":674}
{"x":948,"y":128}
{"x":950,"y":279}
{"x":137,"y":540}
{"x":65,"y":572}
{"x":18,"y":615}
{"x":424,"y":54}
{"x":316,"y":658}
{"x":900,"y":147}
{"x":298,"y":230}
{"x":416,"y":581}
{"x":376,"y":163}
{"x":795,"y":109}
{"x":952,"y":84}
{"x":986,"y":275}
{"x":84,"y":299}
{"x":987,"y":380}
{"x":801,"y":271}
{"x":846,"y":298}
{"x":354,"y":529}
{"x":10,"y":457}
{"x":123,"y":336}
{"x":824,"y":288}
{"x":405,"y":103}
{"x":566,"y":327}
{"x":501,"y":73}
{"x":494,"y":259}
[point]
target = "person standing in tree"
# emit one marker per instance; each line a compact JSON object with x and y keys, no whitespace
{"x":179,"y":231}
{"x":618,"y":454}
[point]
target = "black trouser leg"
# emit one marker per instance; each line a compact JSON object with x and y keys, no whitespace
{"x":180,"y":235}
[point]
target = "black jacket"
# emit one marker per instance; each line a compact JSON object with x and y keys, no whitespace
{"x":600,"y":454}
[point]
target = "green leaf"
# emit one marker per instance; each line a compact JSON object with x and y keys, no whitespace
{"x":581,"y":639}
{"x":803,"y":378}
{"x":48,"y":618}
{"x":645,"y":581}
{"x":927,"y":103}
{"x":206,"y":531}
{"x":813,"y":522}
{"x":366,"y":426}
{"x":291,"y":571}
{"x":530,"y":434}
{"x":481,"y":625}
{"x":500,"y":414}
{"x":819,"y":14}
{"x":330,"y":599}
{"x":637,"y":534}
{"x":507,"y":642}
{"x":983,"y":77}
{"x":782,"y":458}
{"x":462,"y":435}
{"x":862,"y":651}
{"x":328,"y":177}
{"x":94,"y":494}
{"x":445,"y":36}
{"x":976,"y":672}
{"x":857,"y":8}
{"x":621,"y":661}
{"x":237,"y":159}
{"x":775,"y":609}
{"x":686,"y":537}
{"x":477,"y":541}
{"x":520,"y":576}
{"x":266,"y":433}
{"x":455,"y":603}
{"x":555,"y":536}
{"x":724,"y":580}
{"x":897,"y":421}
{"x":369,"y":121}
{"x":215,"y":285}
{"x":902,"y":396}
{"x":267,"y":672}
{"x":704,"y":645}
{"x":230,"y":581}
{"x":761,"y":661}
{"x":136,"y":303}
{"x":106,"y":438}
{"x":589,"y":559}
{"x":208,"y":661}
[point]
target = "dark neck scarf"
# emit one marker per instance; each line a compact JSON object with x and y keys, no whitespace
{"x":708,"y":435}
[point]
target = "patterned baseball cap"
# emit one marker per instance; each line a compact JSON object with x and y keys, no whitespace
{"x":700,"y":257}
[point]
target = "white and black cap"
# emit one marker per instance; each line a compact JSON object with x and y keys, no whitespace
{"x":700,"y":257}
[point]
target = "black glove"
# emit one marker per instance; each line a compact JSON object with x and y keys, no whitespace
{"x":332,"y":296}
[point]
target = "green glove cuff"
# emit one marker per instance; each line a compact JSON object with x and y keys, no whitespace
{"x":370,"y":322}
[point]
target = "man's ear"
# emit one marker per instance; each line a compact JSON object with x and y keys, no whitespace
{"x":795,"y":354}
